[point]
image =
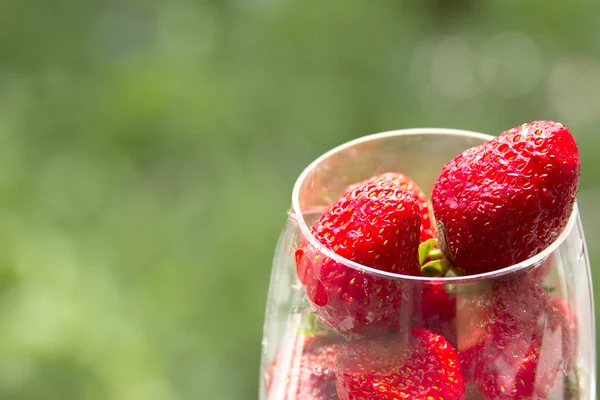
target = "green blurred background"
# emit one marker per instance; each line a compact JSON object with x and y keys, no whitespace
{"x":148,"y":151}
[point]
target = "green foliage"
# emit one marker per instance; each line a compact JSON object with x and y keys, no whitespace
{"x":148,"y":151}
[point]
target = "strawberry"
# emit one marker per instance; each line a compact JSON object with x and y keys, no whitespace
{"x":472,"y":392}
{"x":427,"y":229}
{"x":417,"y":365}
{"x":506,"y":200}
{"x":506,"y":341}
{"x":436,"y":312}
{"x":377,"y":225}
{"x":307,"y":373}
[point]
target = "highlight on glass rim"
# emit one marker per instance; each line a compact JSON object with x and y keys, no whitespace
{"x":434,"y":264}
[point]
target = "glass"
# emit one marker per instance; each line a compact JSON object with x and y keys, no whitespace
{"x":552,"y":357}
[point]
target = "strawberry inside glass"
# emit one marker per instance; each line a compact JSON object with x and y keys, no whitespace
{"x":434,"y":264}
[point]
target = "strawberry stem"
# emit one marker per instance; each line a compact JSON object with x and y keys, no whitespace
{"x":432,"y":260}
{"x":435,"y":268}
{"x":572,"y":385}
{"x":425,"y":248}
{"x":435,"y":254}
{"x":310,"y":325}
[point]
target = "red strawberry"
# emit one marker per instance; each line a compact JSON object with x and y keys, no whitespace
{"x":376,"y":225}
{"x":307,"y":372}
{"x":422,"y":365}
{"x":472,"y":392}
{"x":506,"y":200}
{"x":427,"y":229}
{"x":436,"y":312}
{"x":506,"y":341}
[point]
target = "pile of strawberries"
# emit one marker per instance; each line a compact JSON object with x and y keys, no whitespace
{"x":393,"y":338}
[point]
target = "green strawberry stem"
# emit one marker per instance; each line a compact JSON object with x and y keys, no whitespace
{"x":311,"y":324}
{"x":425,"y":248}
{"x":435,"y":254}
{"x":572,"y":387}
{"x":432,"y":260}
{"x":435,"y":268}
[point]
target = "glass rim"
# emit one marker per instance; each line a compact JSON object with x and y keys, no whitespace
{"x":297,"y":215}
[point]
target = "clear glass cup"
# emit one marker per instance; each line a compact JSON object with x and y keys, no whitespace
{"x":556,"y":356}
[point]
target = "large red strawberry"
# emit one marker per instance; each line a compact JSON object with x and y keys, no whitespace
{"x":427,"y":229}
{"x":377,"y":225}
{"x":506,"y":200}
{"x":306,"y":371}
{"x":508,"y":342}
{"x":417,"y":365}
